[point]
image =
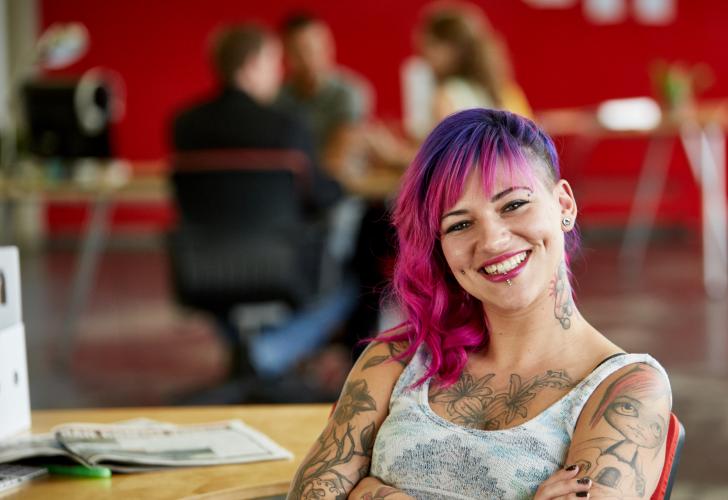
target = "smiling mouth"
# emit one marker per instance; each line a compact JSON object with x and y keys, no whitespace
{"x":505,"y":266}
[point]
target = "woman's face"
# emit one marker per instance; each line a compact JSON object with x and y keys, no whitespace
{"x":514,"y":233}
{"x":440,"y":55}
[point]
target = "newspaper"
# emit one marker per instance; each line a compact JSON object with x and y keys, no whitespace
{"x":147,"y":445}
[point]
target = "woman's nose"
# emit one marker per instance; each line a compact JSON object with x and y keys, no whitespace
{"x":493,"y":236}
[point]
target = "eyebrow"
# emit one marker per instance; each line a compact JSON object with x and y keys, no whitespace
{"x":495,"y":198}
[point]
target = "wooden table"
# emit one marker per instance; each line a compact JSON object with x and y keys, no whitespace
{"x":295,"y":427}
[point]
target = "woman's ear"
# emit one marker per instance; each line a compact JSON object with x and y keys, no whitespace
{"x":567,"y":204}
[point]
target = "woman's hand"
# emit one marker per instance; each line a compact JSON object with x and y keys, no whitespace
{"x":371,"y":488}
{"x":563,"y":485}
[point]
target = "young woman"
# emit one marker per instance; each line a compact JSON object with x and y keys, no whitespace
{"x":495,"y":386}
{"x":469,"y":61}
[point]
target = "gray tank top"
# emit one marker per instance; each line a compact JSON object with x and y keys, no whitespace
{"x":429,"y":457}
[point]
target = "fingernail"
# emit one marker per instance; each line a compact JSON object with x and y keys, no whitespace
{"x":571,"y":468}
{"x":582,"y":493}
{"x":583,"y":480}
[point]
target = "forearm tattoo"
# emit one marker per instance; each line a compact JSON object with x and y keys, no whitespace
{"x":635,"y":406}
{"x":321,"y":475}
{"x":563,"y":301}
{"x":471,"y":402}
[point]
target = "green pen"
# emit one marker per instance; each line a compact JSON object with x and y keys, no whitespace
{"x":79,"y":471}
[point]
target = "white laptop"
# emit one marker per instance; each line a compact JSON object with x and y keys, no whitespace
{"x":14,"y":396}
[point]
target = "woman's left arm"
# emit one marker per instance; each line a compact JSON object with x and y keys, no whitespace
{"x":619,"y":440}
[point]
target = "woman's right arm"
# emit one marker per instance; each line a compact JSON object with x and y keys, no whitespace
{"x":341,"y":455}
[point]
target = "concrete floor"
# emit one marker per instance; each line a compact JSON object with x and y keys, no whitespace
{"x":133,"y":346}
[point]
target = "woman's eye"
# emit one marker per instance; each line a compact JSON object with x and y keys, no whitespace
{"x":514,"y":205}
{"x":459,"y":226}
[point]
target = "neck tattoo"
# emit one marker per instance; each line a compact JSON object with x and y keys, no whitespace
{"x":563,"y":302}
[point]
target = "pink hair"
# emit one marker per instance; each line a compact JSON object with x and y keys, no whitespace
{"x":440,"y":314}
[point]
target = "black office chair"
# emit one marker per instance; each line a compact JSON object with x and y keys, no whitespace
{"x":244,"y":238}
{"x":242,"y":235}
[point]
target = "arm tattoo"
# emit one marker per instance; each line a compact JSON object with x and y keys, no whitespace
{"x":563,"y":301}
{"x":380,"y":494}
{"x":395,"y":348}
{"x":472,"y":403}
{"x":354,"y":399}
{"x":319,"y":475}
{"x":634,"y":406}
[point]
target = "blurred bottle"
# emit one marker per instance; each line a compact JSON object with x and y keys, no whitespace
{"x":677,"y":85}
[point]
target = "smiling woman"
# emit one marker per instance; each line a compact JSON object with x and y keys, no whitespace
{"x":495,"y":386}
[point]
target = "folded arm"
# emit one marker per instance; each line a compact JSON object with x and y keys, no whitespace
{"x":341,"y":456}
{"x":619,"y":441}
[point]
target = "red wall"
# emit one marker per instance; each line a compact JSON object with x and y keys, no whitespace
{"x":159,"y":47}
{"x":560,"y":59}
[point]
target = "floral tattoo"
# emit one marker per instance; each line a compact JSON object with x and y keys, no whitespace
{"x":324,"y":471}
{"x":472,"y":403}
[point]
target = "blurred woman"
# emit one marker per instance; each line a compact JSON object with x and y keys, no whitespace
{"x":470,"y":67}
{"x":469,"y":62}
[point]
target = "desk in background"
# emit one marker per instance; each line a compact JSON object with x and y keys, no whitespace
{"x":295,"y":427}
{"x":702,"y":134}
{"x":120,"y":182}
{"x":101,"y":185}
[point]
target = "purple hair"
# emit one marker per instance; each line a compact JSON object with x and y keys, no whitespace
{"x":439,"y":312}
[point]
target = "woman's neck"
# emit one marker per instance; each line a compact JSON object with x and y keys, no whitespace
{"x":549,"y":325}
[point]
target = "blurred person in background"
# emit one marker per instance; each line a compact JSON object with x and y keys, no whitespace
{"x":241,"y":115}
{"x":336,"y":104}
{"x":333,"y":100}
{"x":469,"y":62}
{"x":470,"y":68}
{"x":248,"y":63}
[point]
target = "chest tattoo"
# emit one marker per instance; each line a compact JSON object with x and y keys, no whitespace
{"x":474,"y":402}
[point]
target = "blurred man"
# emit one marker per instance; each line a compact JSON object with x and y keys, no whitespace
{"x":334,"y":101}
{"x":247,"y":61}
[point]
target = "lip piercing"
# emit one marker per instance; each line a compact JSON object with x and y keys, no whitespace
{"x":566,"y":221}
{"x":509,"y":282}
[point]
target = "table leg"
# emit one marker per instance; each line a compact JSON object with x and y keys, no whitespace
{"x":84,"y":275}
{"x":645,"y":203}
{"x":705,"y":148}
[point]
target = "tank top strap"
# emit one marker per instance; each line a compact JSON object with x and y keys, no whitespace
{"x":414,"y":370}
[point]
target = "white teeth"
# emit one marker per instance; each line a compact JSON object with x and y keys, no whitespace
{"x":506,"y":265}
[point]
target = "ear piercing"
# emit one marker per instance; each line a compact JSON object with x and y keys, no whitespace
{"x":566,"y":221}
{"x":462,"y":271}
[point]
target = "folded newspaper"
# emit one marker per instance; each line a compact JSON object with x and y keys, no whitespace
{"x":142,"y":445}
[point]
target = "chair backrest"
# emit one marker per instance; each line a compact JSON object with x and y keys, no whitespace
{"x":675,"y":439}
{"x":246,"y":189}
{"x":242,"y":236}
